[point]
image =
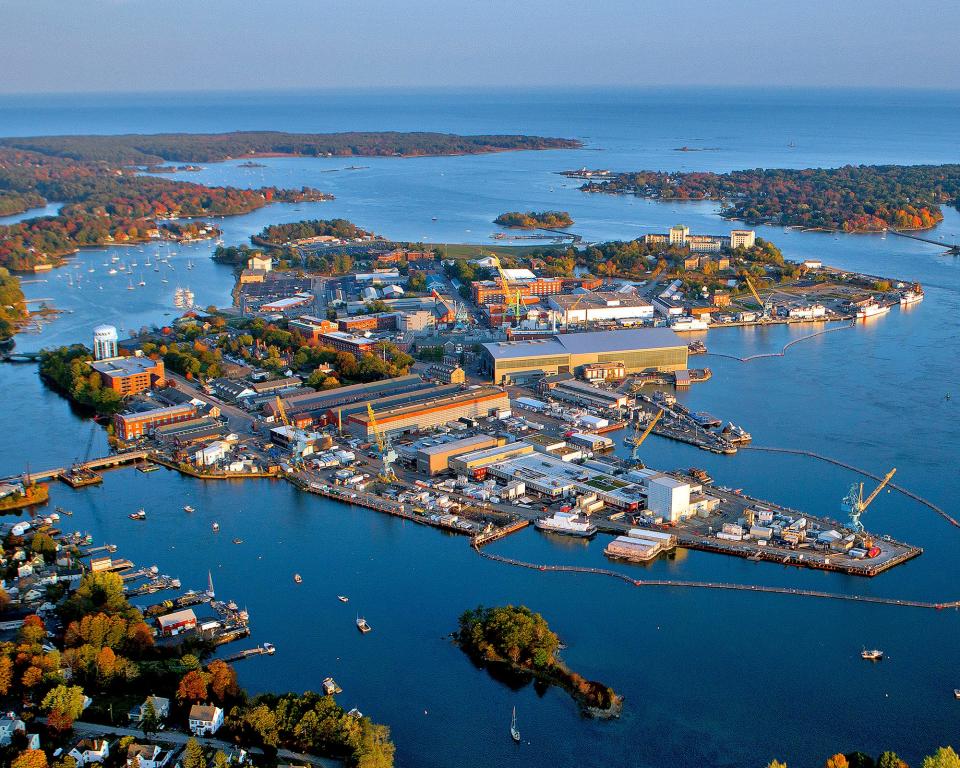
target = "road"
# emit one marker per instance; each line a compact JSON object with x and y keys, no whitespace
{"x":176,"y":737}
{"x":240,"y":420}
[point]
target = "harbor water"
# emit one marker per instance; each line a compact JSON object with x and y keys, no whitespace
{"x":709,"y":678}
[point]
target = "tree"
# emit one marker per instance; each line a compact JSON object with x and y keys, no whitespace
{"x":944,"y":757}
{"x":149,"y":718}
{"x":66,"y":698}
{"x":59,"y":722}
{"x":220,"y":760}
{"x":375,"y":750}
{"x":193,"y":755}
{"x":262,"y":721}
{"x":223,"y":680}
{"x":6,"y":674}
{"x":837,"y":761}
{"x":193,"y":686}
{"x":4,"y":600}
{"x":65,"y":762}
{"x":776,"y":764}
{"x":890,"y":760}
{"x":30,"y":758}
{"x":31,"y":677}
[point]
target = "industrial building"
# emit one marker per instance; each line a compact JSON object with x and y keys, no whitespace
{"x":129,"y":375}
{"x":639,"y":349}
{"x":585,"y":308}
{"x":133,"y":425}
{"x":469,"y":403}
{"x":436,"y":458}
{"x":318,"y":403}
{"x":582,"y":393}
{"x":475,"y":464}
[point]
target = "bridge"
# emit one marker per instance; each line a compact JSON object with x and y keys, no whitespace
{"x":952,"y":248}
{"x":20,"y":357}
{"x":104,"y":462}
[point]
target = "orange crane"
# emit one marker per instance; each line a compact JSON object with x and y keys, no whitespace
{"x":856,"y":505}
{"x":387,"y":454}
{"x":637,"y":440}
{"x":509,"y":299}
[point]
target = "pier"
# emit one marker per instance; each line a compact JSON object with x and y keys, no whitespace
{"x":952,"y":248}
{"x":719,"y":585}
{"x":246,"y":654}
{"x":104,"y":462}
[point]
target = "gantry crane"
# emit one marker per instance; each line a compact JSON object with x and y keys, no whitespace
{"x":856,"y":505}
{"x":387,"y":454}
{"x":637,"y":440}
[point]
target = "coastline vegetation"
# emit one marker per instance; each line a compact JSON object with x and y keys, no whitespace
{"x":520,"y":640}
{"x":67,"y":369}
{"x":854,"y":198}
{"x":944,"y":757}
{"x":280,"y":234}
{"x":534,"y":219}
{"x":152,"y":149}
{"x":12,"y":307}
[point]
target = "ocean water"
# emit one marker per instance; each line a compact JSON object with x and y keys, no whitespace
{"x":715,"y":679}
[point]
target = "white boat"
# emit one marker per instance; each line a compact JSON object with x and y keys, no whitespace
{"x":343,"y":598}
{"x":514,"y":731}
{"x":298,"y":578}
{"x":873,"y":309}
{"x":567,"y":523}
{"x":270,"y":648}
{"x":956,"y":693}
{"x":689,"y":324}
{"x":871,"y":655}
{"x":188,"y":508}
{"x":363,"y":626}
{"x":216,"y":527}
{"x":111,"y":271}
{"x":140,"y":514}
{"x":910,"y":296}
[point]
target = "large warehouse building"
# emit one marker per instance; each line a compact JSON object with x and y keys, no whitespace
{"x":640,"y":349}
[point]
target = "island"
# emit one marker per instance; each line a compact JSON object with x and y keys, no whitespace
{"x":154,"y":149}
{"x":313,"y":231}
{"x":854,"y":198}
{"x":518,"y":640}
{"x":534,"y":219}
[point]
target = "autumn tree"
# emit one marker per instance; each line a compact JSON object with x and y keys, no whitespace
{"x":193,"y":755}
{"x":890,"y":760}
{"x":30,"y":758}
{"x":193,"y":686}
{"x":944,"y":757}
{"x":837,"y":761}
{"x":223,"y":680}
{"x":68,"y":699}
{"x":6,"y":675}
{"x":149,"y":718}
{"x":59,"y":721}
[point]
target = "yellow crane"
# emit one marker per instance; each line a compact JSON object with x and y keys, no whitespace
{"x":573,"y":306}
{"x":856,"y":505}
{"x":637,"y":440}
{"x":282,"y":412}
{"x":387,"y":454}
{"x":756,"y":295}
{"x":509,"y":299}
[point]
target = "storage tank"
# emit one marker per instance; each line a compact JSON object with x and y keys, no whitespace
{"x":104,"y":342}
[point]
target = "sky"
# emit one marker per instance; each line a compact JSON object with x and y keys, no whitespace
{"x":178,"y":45}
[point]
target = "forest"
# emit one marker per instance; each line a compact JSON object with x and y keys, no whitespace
{"x":534,"y":219}
{"x":104,"y":204}
{"x":278,"y":234}
{"x":12,"y":307}
{"x":139,"y":149}
{"x":854,"y":198}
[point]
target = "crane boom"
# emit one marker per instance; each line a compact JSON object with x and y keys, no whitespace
{"x":753,"y":290}
{"x":282,"y":412}
{"x":886,"y":479}
{"x":377,"y":434}
{"x":646,"y":433}
{"x":508,"y":298}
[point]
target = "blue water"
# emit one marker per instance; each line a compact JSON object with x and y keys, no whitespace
{"x":710,"y":679}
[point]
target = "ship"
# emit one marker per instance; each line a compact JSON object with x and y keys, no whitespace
{"x":689,"y":324}
{"x":567,"y":523}
{"x":871,"y":655}
{"x":911,"y":296}
{"x":363,"y":626}
{"x":178,"y":298}
{"x":736,"y":434}
{"x":140,"y":514}
{"x":872,"y":310}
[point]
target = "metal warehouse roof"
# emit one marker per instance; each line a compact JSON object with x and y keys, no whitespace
{"x":587,"y":343}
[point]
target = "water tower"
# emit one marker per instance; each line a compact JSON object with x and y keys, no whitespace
{"x":104,"y":342}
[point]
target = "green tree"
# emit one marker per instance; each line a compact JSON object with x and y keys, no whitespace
{"x":376,"y":749}
{"x":68,"y":699}
{"x":220,"y":760}
{"x":149,"y":719}
{"x":890,"y":760}
{"x":944,"y":757}
{"x":193,"y":755}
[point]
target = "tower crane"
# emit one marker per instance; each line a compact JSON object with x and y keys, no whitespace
{"x":566,"y":319}
{"x":856,"y":505}
{"x":387,"y":454}
{"x":637,"y":440}
{"x":509,"y":299}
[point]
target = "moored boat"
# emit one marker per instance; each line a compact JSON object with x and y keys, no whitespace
{"x":567,"y":523}
{"x":871,"y":655}
{"x":362,"y":625}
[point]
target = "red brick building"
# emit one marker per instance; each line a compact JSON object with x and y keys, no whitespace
{"x":129,"y":375}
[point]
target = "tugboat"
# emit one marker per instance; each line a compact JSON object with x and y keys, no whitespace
{"x":140,"y":514}
{"x":363,"y":626}
{"x":871,"y":655}
{"x":514,"y":731}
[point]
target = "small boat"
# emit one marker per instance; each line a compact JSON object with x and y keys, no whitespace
{"x":238,"y":541}
{"x":298,"y":578}
{"x":188,"y":508}
{"x":343,"y":598}
{"x":216,"y":527}
{"x":269,"y":648}
{"x":138,"y":515}
{"x":111,"y":271}
{"x":514,"y":731}
{"x":330,"y":686}
{"x":871,"y":655}
{"x":363,"y":626}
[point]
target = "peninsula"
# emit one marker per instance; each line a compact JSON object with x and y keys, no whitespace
{"x":534,"y":219}
{"x":854,"y":198}
{"x":517,"y":639}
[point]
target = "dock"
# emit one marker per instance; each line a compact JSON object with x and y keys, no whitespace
{"x":495,"y":534}
{"x":247,"y":653}
{"x":104,"y":462}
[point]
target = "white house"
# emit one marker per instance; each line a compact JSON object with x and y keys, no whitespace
{"x":9,"y":726}
{"x":205,"y":719}
{"x":89,"y":751}
{"x":149,"y":755}
{"x":161,"y":707}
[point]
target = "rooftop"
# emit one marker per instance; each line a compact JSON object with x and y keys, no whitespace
{"x":597,"y":300}
{"x":123,"y":366}
{"x":590,"y":342}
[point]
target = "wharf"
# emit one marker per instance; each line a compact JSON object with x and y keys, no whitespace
{"x":247,"y":653}
{"x":104,"y":462}
{"x":495,"y":534}
{"x":80,"y":477}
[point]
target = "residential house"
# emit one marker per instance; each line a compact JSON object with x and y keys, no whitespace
{"x":161,"y":707}
{"x":205,"y":719}
{"x":9,"y":726}
{"x":90,"y":751}
{"x":147,"y":756}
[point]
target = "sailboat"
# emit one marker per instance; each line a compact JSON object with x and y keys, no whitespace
{"x":130,"y":285}
{"x":142,"y":281}
{"x":514,"y":731}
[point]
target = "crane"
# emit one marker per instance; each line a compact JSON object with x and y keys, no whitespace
{"x":760,"y":303}
{"x":856,"y":505}
{"x":637,"y":440}
{"x":297,"y":439}
{"x":566,"y":318}
{"x":509,"y":299}
{"x":387,"y":454}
